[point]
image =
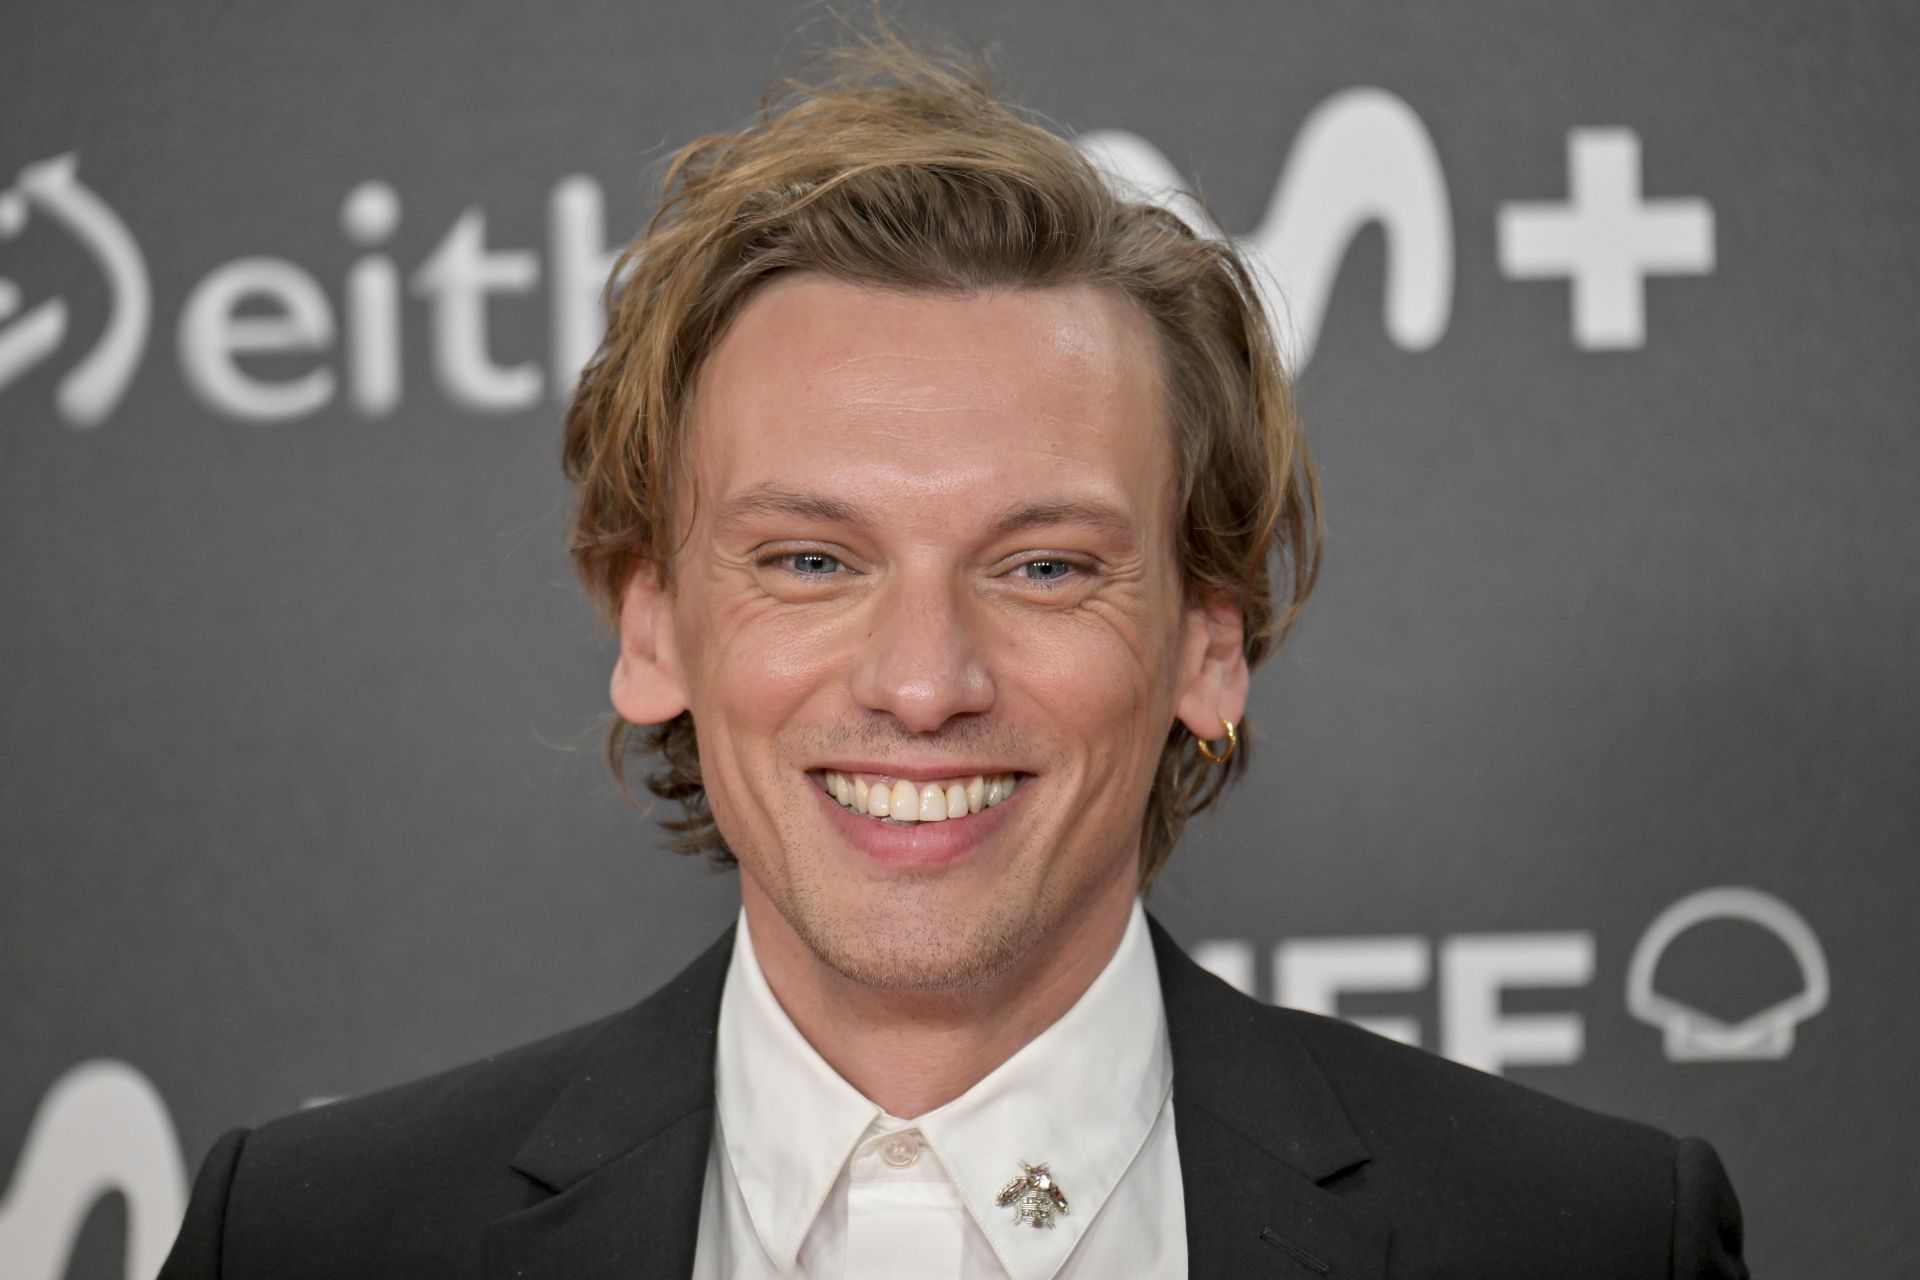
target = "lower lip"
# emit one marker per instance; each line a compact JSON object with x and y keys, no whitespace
{"x":917,"y":846}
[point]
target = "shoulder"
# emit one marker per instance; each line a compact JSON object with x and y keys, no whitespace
{"x":481,"y":1112}
{"x":453,"y":1120}
{"x":1407,"y":1103}
{"x":1483,"y":1171}
{"x":1476,"y":1174}
{"x":399,"y":1176}
{"x":1341,"y":1082}
{"x":407,"y":1175}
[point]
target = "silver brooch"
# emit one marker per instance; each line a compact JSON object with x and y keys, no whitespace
{"x":1034,"y":1195}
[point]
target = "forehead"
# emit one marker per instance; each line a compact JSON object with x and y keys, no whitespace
{"x":926,"y":404}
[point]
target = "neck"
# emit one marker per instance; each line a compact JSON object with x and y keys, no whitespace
{"x":910,"y":1052}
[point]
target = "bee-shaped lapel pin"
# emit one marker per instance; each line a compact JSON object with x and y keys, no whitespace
{"x":1034,"y":1195}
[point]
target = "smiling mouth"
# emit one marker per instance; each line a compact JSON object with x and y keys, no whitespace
{"x":899,"y":801}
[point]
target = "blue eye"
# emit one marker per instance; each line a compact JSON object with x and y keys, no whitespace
{"x":810,"y":564}
{"x":1046,"y":570}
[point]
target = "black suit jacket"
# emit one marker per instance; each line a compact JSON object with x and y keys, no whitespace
{"x":1308,"y":1149}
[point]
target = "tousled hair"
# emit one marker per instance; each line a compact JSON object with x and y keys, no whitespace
{"x":900,"y":168}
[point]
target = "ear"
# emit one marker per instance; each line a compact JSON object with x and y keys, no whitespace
{"x":647,"y":683}
{"x":1213,"y":667}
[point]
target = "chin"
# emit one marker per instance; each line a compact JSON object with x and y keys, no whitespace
{"x":899,"y":940}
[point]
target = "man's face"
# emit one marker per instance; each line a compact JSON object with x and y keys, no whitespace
{"x":930,"y":539}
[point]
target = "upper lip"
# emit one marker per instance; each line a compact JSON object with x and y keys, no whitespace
{"x":914,"y":771}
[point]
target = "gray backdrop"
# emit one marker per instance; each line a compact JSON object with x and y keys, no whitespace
{"x":299,"y":784}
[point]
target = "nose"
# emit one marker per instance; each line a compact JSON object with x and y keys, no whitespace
{"x":923,"y":662}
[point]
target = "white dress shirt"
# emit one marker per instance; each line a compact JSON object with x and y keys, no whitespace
{"x":807,"y":1178}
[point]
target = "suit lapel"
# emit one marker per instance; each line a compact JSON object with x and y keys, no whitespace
{"x":1259,"y":1129}
{"x":619,"y":1161}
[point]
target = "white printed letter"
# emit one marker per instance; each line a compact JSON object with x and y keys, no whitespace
{"x":1476,"y":968}
{"x":212,"y":333}
{"x":577,"y":228}
{"x":101,"y":1128}
{"x":458,"y":276}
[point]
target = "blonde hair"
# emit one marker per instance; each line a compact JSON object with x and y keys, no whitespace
{"x":902,"y":169}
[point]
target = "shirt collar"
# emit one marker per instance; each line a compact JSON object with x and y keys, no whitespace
{"x":1081,"y":1097}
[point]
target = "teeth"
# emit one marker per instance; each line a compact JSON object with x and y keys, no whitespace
{"x":905,"y":801}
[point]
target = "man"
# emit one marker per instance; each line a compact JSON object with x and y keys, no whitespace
{"x":934,"y":490}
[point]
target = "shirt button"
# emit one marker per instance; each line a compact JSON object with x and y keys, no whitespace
{"x":901,"y":1150}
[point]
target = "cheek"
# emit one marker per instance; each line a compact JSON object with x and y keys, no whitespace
{"x":754,"y":668}
{"x":752,"y":676}
{"x":1097,"y":682}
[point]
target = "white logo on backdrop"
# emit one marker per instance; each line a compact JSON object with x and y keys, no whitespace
{"x":264,"y":305}
{"x":101,"y":1128}
{"x":90,"y":390}
{"x":270,"y":306}
{"x":1693,"y":1036}
{"x":1362,"y":158}
{"x":1474,"y":970}
{"x":1606,"y":240}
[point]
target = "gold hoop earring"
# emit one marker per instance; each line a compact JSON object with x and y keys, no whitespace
{"x":1208,"y":754}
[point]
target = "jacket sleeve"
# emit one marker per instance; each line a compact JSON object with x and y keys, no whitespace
{"x":196,"y":1250}
{"x":1706,"y":1217}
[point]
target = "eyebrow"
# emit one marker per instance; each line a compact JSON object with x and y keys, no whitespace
{"x":777,"y":500}
{"x":1036,"y":515}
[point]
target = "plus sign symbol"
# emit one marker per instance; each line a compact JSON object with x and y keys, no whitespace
{"x":1606,"y":239}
